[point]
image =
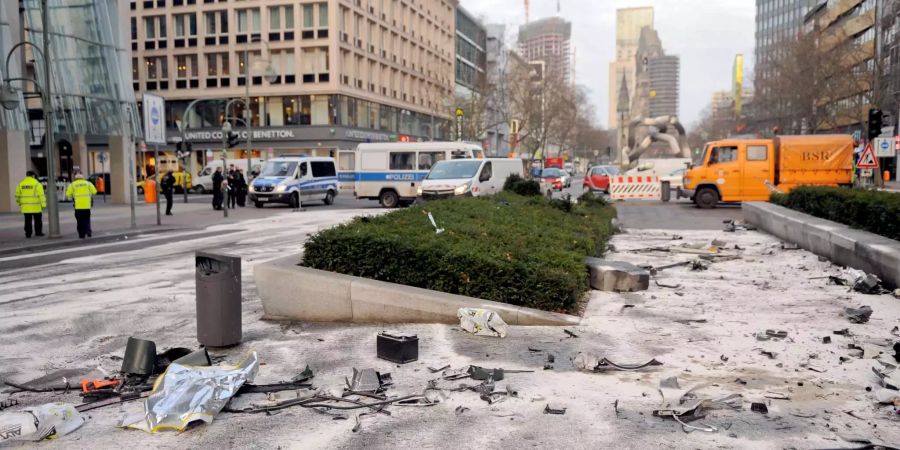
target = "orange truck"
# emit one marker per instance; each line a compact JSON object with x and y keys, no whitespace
{"x":739,"y":170}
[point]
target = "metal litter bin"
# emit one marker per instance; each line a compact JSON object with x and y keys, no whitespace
{"x":218,"y":299}
{"x":666,"y":191}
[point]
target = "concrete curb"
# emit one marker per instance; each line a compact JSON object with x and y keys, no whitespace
{"x":292,"y":292}
{"x":843,"y":245}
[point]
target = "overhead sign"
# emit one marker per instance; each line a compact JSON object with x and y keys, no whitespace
{"x":867,"y":159}
{"x":154,"y":119}
{"x":884,"y":147}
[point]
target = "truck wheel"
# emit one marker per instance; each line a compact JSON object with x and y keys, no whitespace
{"x":295,"y":200}
{"x":329,"y":198}
{"x":389,"y":199}
{"x":706,"y":198}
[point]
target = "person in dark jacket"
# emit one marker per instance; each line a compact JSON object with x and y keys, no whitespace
{"x":241,"y":184}
{"x":217,"y":180}
{"x":231,"y":179}
{"x":168,"y":188}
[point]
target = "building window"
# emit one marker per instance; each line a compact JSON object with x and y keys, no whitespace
{"x":187,"y":71}
{"x":216,"y":27}
{"x":308,"y":16}
{"x":185,"y":30}
{"x":154,"y":32}
{"x":157,"y":73}
{"x":281,"y":18}
{"x":248,"y":22}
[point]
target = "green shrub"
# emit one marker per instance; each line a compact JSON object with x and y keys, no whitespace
{"x":509,"y":248}
{"x":518,"y":185}
{"x":873,"y":211}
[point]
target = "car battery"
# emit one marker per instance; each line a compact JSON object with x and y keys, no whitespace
{"x":398,"y":347}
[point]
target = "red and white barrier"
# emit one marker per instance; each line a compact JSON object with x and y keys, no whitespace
{"x":629,"y":187}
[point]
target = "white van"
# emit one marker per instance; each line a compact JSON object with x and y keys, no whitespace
{"x":469,"y":177}
{"x":203,"y":183}
{"x":294,"y":180}
{"x":391,"y":172}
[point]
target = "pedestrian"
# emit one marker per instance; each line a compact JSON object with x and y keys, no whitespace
{"x":168,"y":187}
{"x":31,"y":200}
{"x":232,"y":187}
{"x":217,"y":180}
{"x":242,"y":188}
{"x":81,"y":191}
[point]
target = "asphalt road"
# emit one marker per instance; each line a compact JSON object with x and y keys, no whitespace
{"x":672,"y":215}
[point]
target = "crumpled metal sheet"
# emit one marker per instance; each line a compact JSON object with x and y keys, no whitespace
{"x":482,"y":322}
{"x":184,"y":394}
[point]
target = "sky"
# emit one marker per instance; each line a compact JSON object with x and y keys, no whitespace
{"x":706,"y":34}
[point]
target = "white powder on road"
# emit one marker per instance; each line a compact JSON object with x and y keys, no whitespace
{"x":79,"y":312}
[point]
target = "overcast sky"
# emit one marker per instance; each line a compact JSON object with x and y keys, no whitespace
{"x":706,"y":34}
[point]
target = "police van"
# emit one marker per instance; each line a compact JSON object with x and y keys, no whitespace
{"x":391,"y":172}
{"x":294,"y":180}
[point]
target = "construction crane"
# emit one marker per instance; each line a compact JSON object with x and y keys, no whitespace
{"x":526,"y":11}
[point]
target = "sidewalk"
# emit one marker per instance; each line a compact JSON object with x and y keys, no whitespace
{"x":893,"y":186}
{"x":113,"y":222}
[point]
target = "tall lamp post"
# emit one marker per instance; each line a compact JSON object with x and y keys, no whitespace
{"x":10,"y":101}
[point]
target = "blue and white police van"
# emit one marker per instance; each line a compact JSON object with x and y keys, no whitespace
{"x":294,"y":180}
{"x":391,"y":172}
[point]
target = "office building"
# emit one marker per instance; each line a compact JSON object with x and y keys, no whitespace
{"x":322,"y":75}
{"x":471,"y":59}
{"x":629,"y":23}
{"x":94,"y":110}
{"x":656,"y":78}
{"x":548,"y":40}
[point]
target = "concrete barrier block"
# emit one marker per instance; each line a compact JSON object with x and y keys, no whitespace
{"x":617,"y":276}
{"x":292,"y":292}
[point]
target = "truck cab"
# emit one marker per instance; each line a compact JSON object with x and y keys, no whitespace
{"x":731,"y":171}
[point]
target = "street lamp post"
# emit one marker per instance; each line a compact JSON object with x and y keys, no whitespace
{"x":10,"y":100}
{"x":226,"y":128}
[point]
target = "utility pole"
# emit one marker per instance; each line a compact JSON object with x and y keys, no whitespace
{"x":52,"y":203}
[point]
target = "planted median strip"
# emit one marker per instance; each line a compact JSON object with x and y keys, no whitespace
{"x":523,"y":251}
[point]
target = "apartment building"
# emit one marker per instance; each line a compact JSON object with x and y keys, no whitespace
{"x":548,"y":40}
{"x":321,"y":75}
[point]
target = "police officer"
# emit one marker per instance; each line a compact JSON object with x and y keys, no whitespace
{"x":31,"y":200}
{"x":81,"y":191}
{"x":168,"y":186}
{"x":217,"y":180}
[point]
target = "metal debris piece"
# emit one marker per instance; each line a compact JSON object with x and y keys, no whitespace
{"x":670,"y":286}
{"x":436,"y":370}
{"x":759,"y":407}
{"x":554,"y":410}
{"x":776,"y":334}
{"x":570,"y":333}
{"x":8,"y":403}
{"x":858,"y":315}
{"x":777,"y":396}
{"x":723,"y":358}
{"x":770,"y":354}
{"x":306,"y":375}
{"x":47,"y":421}
{"x":826,"y":340}
{"x":844,"y":332}
{"x":689,"y":321}
{"x":368,"y":380}
{"x":888,"y":375}
{"x":461,"y":409}
{"x":593,"y":363}
{"x":699,"y":265}
{"x":480,"y":373}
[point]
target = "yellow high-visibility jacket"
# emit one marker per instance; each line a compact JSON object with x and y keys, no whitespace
{"x":81,"y":191}
{"x":30,"y":196}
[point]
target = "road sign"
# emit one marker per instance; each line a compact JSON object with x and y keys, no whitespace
{"x":460,"y":112}
{"x":883,"y":148}
{"x":867,"y":159}
{"x":154,"y":119}
{"x":866,"y":173}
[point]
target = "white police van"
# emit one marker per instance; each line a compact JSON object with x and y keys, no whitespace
{"x":294,"y":180}
{"x":391,"y":172}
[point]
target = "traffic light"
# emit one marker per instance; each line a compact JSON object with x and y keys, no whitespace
{"x":232,"y":139}
{"x":876,"y":121}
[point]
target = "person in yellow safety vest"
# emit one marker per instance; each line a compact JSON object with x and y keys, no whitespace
{"x":81,"y":191}
{"x":31,"y":200}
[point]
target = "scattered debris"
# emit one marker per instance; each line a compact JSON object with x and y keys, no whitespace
{"x":776,"y":334}
{"x":9,"y":403}
{"x":770,"y":354}
{"x":670,"y":286}
{"x":482,"y":322}
{"x":592,"y":363}
{"x":185,"y":394}
{"x":698,"y":265}
{"x":689,"y":321}
{"x":434,"y":224}
{"x":723,"y":358}
{"x":859,"y":281}
{"x":570,"y":333}
{"x":789,"y":246}
{"x":675,"y":405}
{"x":616,"y":276}
{"x":896,"y":293}
{"x":436,"y":370}
{"x":888,"y":375}
{"x":655,"y":270}
{"x":826,"y":340}
{"x":368,"y":380}
{"x":732,"y":225}
{"x":461,"y":409}
{"x":888,"y":397}
{"x":858,"y":315}
{"x":759,"y":407}
{"x":558,"y":410}
{"x":844,"y":332}
{"x":777,"y":396}
{"x":803,"y":415}
{"x":47,"y":421}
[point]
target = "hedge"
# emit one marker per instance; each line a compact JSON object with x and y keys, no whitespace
{"x":508,"y":248}
{"x":873,"y":211}
{"x":518,"y":185}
